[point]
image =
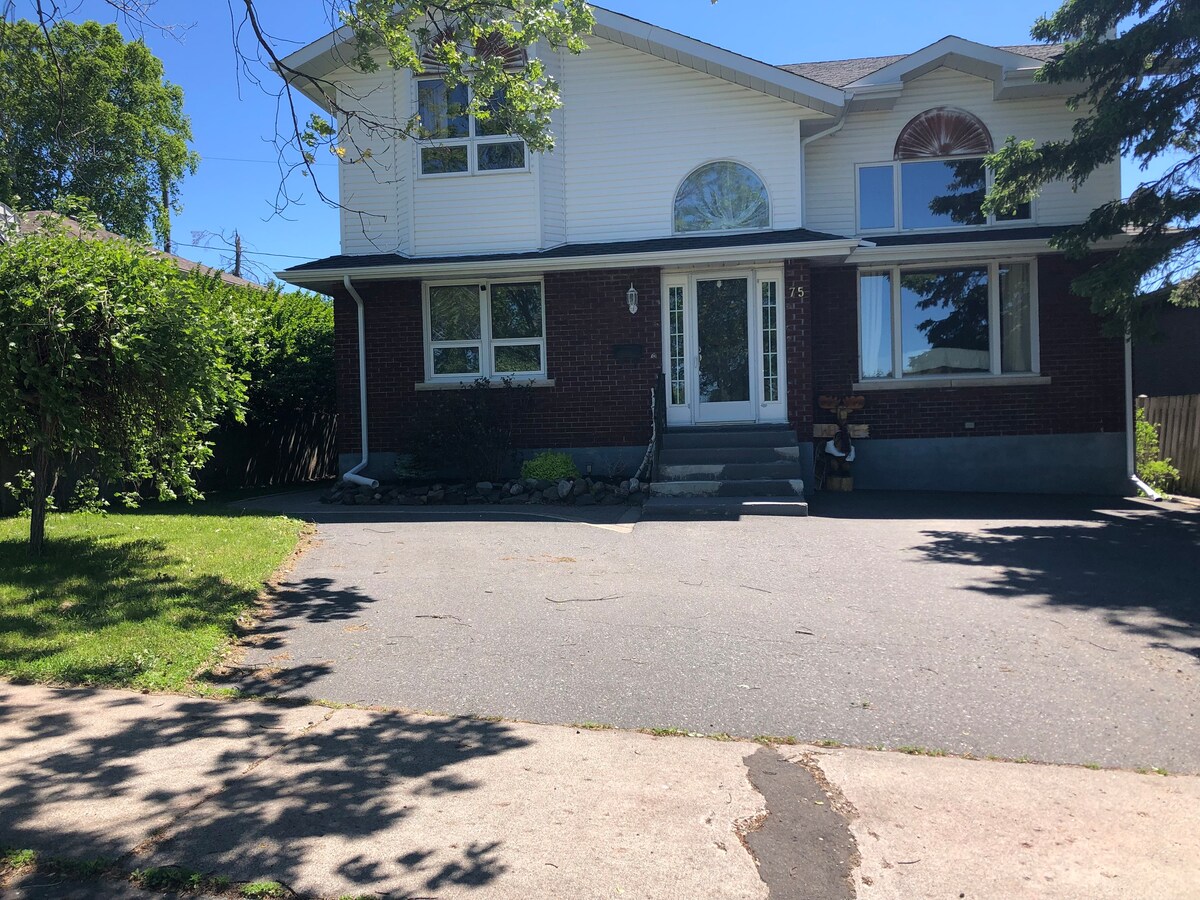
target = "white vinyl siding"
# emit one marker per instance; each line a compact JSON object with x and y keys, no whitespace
{"x":637,"y":125}
{"x":371,"y":191}
{"x":870,"y":137}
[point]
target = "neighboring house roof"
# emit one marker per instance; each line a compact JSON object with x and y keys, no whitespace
{"x":33,"y":222}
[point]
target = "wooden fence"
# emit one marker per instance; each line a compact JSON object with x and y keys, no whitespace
{"x":1178,"y":421}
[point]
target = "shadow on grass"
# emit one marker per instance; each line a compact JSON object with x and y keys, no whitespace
{"x":241,"y":790}
{"x":1140,"y":568}
{"x":57,"y":603}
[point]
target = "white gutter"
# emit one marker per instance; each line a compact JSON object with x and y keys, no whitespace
{"x":352,"y":476}
{"x":483,"y":267}
{"x":1131,"y":429}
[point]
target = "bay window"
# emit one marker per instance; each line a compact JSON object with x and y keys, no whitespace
{"x":462,"y":144}
{"x":960,"y":320}
{"x":493,"y":329}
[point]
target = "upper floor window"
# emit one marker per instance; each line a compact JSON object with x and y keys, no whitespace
{"x":937,"y":178}
{"x":722,"y":196}
{"x":460,"y":143}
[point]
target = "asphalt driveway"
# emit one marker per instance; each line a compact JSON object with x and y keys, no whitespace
{"x":1053,"y":629}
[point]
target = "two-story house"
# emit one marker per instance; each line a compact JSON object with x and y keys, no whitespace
{"x":762,"y":235}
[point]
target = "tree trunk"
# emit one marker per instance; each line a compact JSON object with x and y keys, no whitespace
{"x":41,"y":490}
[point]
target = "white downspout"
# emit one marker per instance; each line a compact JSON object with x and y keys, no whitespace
{"x":352,"y":476}
{"x":1131,"y":428}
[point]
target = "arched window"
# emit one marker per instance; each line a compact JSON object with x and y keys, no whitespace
{"x":722,"y":196}
{"x":943,"y":132}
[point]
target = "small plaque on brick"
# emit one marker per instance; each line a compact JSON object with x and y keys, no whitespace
{"x":628,"y":352}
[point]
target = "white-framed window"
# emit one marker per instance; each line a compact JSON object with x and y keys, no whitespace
{"x":927,"y":194}
{"x":462,"y":144}
{"x":477,"y":329}
{"x":722,"y":196}
{"x":939,"y":320}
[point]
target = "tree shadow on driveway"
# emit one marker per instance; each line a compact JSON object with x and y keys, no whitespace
{"x":243,"y":790}
{"x":1139,"y":567}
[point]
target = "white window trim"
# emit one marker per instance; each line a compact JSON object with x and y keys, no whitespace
{"x":472,"y":142}
{"x":897,"y":225}
{"x":996,"y":375}
{"x":487,"y":344}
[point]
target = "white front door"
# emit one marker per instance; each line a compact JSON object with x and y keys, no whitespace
{"x":722,"y":347}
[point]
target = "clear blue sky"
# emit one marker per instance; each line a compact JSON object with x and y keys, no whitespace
{"x":233,"y":123}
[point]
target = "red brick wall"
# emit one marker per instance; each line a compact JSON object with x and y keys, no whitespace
{"x":598,"y":401}
{"x":797,"y":291}
{"x":1087,"y":370}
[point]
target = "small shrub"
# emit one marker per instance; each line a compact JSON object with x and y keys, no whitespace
{"x":264,"y":889}
{"x":550,"y":466}
{"x":17,"y":859}
{"x":467,"y":434}
{"x":1156,"y":472}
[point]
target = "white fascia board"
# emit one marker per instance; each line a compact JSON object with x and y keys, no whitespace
{"x":318,"y":60}
{"x":500,"y":267}
{"x":718,"y":62}
{"x":978,"y":57}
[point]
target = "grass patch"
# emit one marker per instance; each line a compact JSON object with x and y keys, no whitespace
{"x":140,"y":599}
{"x":774,"y":740}
{"x":593,"y":726}
{"x":665,"y":732}
{"x":264,"y":889}
{"x":167,"y":878}
{"x":827,"y":742}
{"x":17,"y":859}
{"x":920,"y":751}
{"x":76,"y":869}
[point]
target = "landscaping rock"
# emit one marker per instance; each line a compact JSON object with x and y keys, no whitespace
{"x":581,"y":487}
{"x":634,"y":485}
{"x":550,"y":493}
{"x":436,"y":496}
{"x":564,"y":489}
{"x":585,"y":500}
{"x":517,"y":490}
{"x":484,"y":487}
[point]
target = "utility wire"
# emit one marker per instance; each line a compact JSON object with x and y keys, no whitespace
{"x":244,"y":252}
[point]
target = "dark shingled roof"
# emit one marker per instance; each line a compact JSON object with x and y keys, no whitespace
{"x":571,"y":251}
{"x":841,"y":72}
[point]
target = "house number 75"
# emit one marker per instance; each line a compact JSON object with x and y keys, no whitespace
{"x":796,"y":293}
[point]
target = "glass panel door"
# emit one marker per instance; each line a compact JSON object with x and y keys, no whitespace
{"x":723,"y":344}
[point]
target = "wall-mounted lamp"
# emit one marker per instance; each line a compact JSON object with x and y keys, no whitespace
{"x":631,"y":297}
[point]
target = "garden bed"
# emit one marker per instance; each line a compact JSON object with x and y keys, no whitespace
{"x":527,"y":491}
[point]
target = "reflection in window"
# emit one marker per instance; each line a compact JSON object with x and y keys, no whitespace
{"x":770,"y":341}
{"x":677,"y":339}
{"x":453,"y":133}
{"x":722,"y":196}
{"x":470,"y":334}
{"x":876,"y":197}
{"x":948,"y":320}
{"x":945,"y":193}
{"x":944,"y":321}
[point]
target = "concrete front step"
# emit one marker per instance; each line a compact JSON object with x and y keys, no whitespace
{"x":756,"y":436}
{"x":709,"y":455}
{"x":785,"y":470}
{"x":755,"y":487}
{"x":670,"y":508}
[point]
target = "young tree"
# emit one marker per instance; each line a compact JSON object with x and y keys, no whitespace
{"x":112,"y":356}
{"x":86,"y":114}
{"x":1138,"y":64}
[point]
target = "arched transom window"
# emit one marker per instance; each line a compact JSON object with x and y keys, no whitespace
{"x":722,"y":196}
{"x":943,"y":132}
{"x":936,"y":179}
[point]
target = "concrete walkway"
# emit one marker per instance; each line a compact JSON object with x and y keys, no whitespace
{"x":334,"y":802}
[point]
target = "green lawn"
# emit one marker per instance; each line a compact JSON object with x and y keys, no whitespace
{"x":142,"y":599}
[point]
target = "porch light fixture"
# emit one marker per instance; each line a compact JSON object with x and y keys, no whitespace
{"x":631,"y":297}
